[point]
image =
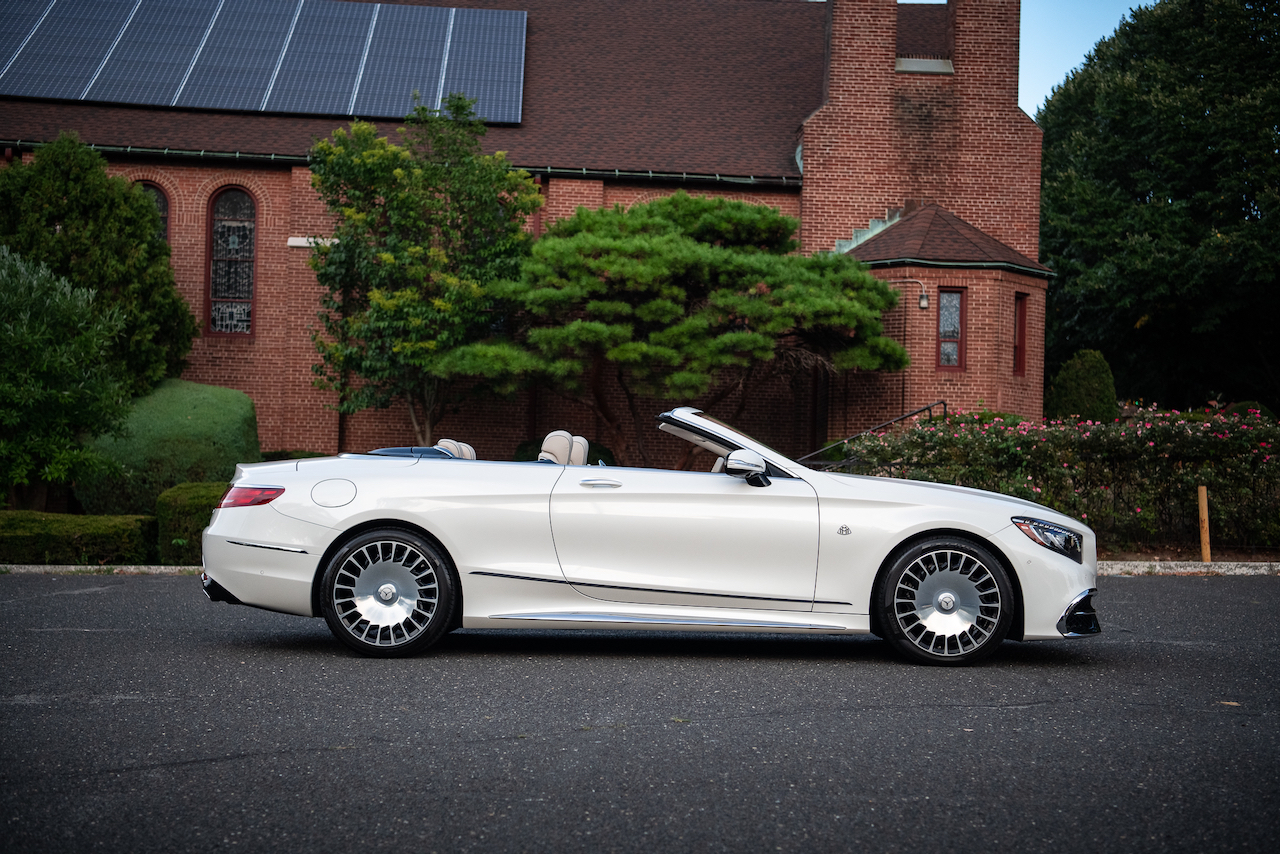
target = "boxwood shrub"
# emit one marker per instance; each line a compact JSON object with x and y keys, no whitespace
{"x":30,"y":537}
{"x":183,"y":432}
{"x":182,"y":514}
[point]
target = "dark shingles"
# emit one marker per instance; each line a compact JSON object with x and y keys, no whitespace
{"x":701,"y":86}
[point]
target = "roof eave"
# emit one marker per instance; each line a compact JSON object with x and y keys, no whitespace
{"x":1042,"y":273}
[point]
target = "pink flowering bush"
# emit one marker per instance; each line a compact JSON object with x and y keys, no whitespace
{"x":1131,"y":481}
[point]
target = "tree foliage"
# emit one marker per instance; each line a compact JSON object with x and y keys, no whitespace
{"x":57,"y":389}
{"x":1161,"y":188}
{"x":421,"y":229}
{"x":1083,"y":389}
{"x":682,"y":297}
{"x":103,"y":234}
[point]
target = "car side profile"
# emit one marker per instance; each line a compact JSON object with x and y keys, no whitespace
{"x":396,"y":547}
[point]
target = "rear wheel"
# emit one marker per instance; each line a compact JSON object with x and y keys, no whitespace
{"x":945,"y":601}
{"x":388,"y":593}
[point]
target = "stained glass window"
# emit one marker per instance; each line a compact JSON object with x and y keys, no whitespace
{"x":950,"y":323}
{"x":231,"y":274}
{"x":162,"y":204}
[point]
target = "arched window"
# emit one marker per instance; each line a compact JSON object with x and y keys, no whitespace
{"x":162,"y":204}
{"x":231,"y":263}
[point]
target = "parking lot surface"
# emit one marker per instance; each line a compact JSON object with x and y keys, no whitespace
{"x":136,"y":716}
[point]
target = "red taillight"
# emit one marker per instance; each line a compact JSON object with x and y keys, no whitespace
{"x":250,"y":496}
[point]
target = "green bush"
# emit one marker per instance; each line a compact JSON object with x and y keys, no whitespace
{"x":29,"y":537}
{"x":1132,"y":482}
{"x":182,"y":514}
{"x":1083,"y":389}
{"x":182,"y":432}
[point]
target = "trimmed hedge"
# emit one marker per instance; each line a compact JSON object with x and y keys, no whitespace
{"x":30,"y":537}
{"x":1084,"y":389}
{"x":183,"y":432}
{"x":182,"y":514}
{"x":1132,"y":481}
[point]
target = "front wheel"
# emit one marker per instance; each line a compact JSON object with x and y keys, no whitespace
{"x":945,"y":601}
{"x":388,"y":593}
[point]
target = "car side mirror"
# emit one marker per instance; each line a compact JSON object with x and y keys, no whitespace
{"x":747,"y":465}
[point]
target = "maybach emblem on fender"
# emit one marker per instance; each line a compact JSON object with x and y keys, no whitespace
{"x":844,"y":530}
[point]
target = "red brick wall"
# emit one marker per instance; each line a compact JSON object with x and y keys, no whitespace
{"x":864,"y":399}
{"x":273,"y":364}
{"x":884,"y":138}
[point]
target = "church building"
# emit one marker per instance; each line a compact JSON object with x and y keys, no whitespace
{"x":890,"y":130}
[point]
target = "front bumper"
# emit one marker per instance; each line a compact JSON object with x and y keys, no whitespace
{"x":1079,"y":619}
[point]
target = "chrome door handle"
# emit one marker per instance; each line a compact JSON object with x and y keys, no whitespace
{"x":593,"y":482}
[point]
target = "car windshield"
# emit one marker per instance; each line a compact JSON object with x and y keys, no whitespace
{"x":742,"y":433}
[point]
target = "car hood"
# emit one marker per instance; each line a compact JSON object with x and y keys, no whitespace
{"x":933,"y":493}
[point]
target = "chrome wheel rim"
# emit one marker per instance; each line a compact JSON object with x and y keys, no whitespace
{"x":947,"y":603}
{"x":385,"y":593}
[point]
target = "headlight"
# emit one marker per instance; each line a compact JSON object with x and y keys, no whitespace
{"x":1055,"y":537}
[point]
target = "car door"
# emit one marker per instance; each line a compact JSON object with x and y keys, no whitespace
{"x":686,"y":538}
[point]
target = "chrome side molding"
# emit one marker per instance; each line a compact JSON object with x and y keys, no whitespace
{"x":571,"y":617}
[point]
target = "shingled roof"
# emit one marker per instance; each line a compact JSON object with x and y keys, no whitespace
{"x":931,"y":236}
{"x":697,"y":86}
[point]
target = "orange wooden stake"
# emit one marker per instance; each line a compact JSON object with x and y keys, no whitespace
{"x":1205,"y":556}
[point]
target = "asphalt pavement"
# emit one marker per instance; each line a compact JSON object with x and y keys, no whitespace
{"x":136,"y":716}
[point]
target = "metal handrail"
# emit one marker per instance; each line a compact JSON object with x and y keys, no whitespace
{"x":878,"y":427}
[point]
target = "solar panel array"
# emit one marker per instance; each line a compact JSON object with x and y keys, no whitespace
{"x":288,"y":56}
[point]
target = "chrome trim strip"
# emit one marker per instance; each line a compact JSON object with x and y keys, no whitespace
{"x":657,"y":590}
{"x":662,"y":621}
{"x":1062,"y":621}
{"x":272,"y":548}
{"x":520,"y":577}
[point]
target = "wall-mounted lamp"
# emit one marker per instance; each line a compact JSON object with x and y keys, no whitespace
{"x":924,"y":295}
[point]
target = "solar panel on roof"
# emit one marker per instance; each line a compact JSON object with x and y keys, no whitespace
{"x":154,"y":53}
{"x":319,"y":69}
{"x":19,"y":17}
{"x":295,"y":56}
{"x":486,"y":60}
{"x":67,"y":48}
{"x":404,"y":57}
{"x":240,"y":55}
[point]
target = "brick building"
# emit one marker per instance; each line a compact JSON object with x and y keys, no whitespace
{"x":889,"y":130}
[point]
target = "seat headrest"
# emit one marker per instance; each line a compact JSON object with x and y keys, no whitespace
{"x":578,"y":453}
{"x":557,"y":447}
{"x":457,"y":450}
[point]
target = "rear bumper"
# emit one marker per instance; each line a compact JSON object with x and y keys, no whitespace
{"x":1079,"y":619}
{"x":216,"y":592}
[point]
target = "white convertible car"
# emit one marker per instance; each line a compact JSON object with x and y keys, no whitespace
{"x":399,"y":546}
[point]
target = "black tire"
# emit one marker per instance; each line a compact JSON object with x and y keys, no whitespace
{"x":945,"y":601}
{"x":388,"y":593}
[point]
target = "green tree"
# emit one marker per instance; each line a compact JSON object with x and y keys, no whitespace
{"x":57,"y":389}
{"x":1161,"y":186}
{"x":1084,"y":389}
{"x":684,"y":297}
{"x":103,"y":234}
{"x":421,"y":229}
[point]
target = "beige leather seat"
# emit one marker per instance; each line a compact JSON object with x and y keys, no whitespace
{"x":578,"y":453}
{"x":459,"y":450}
{"x":557,"y":447}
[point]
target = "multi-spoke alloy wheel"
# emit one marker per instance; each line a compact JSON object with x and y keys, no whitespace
{"x":946,"y":601}
{"x":387,"y":593}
